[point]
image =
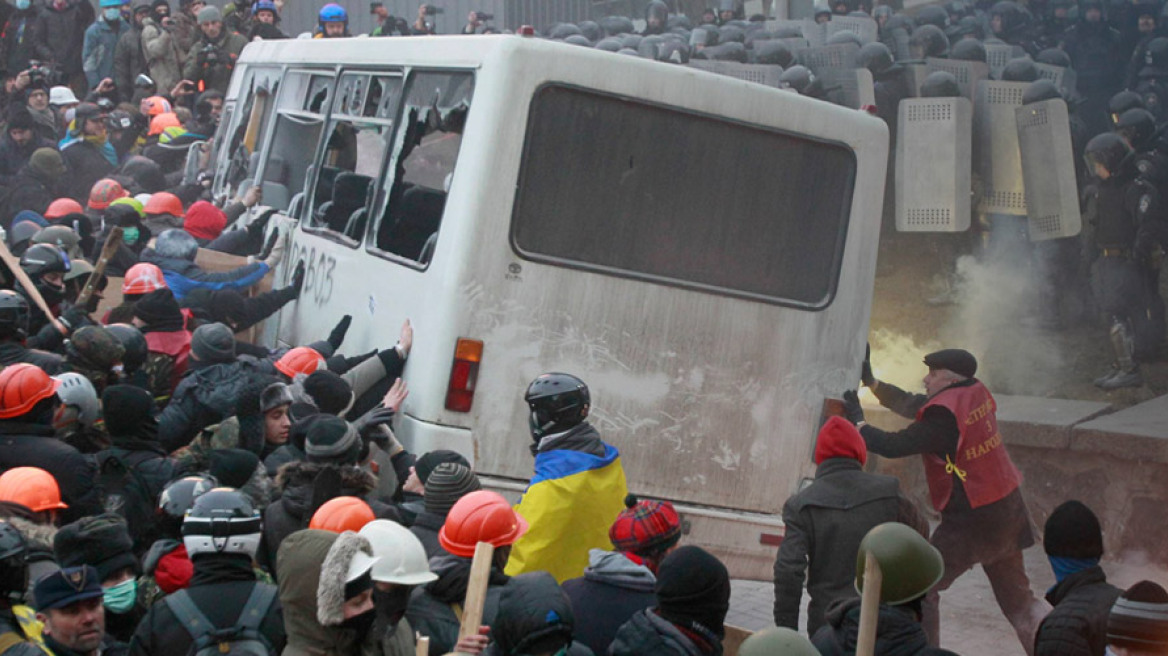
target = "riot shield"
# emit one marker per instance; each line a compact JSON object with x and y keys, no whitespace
{"x":861,"y":26}
{"x":914,"y":75}
{"x":767,"y":74}
{"x":968,"y":73}
{"x":838,"y":55}
{"x":998,"y":55}
{"x":1048,"y":170}
{"x":797,"y":9}
{"x":933,"y":164}
{"x":815,"y":33}
{"x":849,"y":87}
{"x":996,"y":146}
{"x":783,"y":24}
{"x":900,"y":45}
{"x":1063,"y":78}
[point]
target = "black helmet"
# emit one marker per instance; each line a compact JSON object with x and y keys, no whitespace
{"x":968,"y":50}
{"x":1040,"y":90}
{"x":957,"y":9}
{"x":632,"y":41}
{"x":929,"y":41}
{"x":1156,"y":55}
{"x":13,"y":314}
{"x":610,"y":44}
{"x":1137,"y":125}
{"x":875,"y":57}
{"x":656,"y":17}
{"x":940,"y":84}
{"x":679,"y":21}
{"x":178,"y":497}
{"x":733,"y":51}
{"x":674,"y":52}
{"x":728,"y":33}
{"x":578,"y":40}
{"x":843,"y":37}
{"x":706,"y":36}
{"x":44,"y":258}
{"x":1021,"y":69}
{"x":563,"y":31}
{"x":1108,"y":150}
{"x":899,"y":22}
{"x":134,"y":343}
{"x":1121,"y":102}
{"x":13,"y":562}
{"x":1054,"y":57}
{"x":222,"y":521}
{"x":972,"y":26}
{"x":800,"y":79}
{"x":590,"y":30}
{"x":1014,"y":18}
{"x":933,"y":15}
{"x":773,"y":52}
{"x":558,"y":402}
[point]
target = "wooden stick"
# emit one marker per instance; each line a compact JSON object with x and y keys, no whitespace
{"x":112,"y":241}
{"x":423,"y":648}
{"x":476,"y":590}
{"x":21,"y":277}
{"x":869,"y":606}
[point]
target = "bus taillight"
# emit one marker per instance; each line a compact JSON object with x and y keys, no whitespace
{"x":460,"y":391}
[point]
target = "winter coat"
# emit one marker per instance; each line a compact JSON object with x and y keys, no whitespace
{"x":425,"y":527}
{"x":898,"y":633}
{"x":163,"y":54}
{"x":431,"y":610}
{"x":220,"y":588}
{"x":151,"y":470}
{"x":649,"y":633}
{"x":87,"y":164}
{"x":129,"y":62}
{"x":255,"y":308}
{"x":529,"y":601}
{"x":196,"y":67}
{"x":206,"y":395}
{"x":186,"y":33}
{"x":13,"y":352}
{"x":612,"y":590}
{"x":1078,"y":624}
{"x":308,"y":576}
{"x":184,"y":275}
{"x":9,"y":624}
{"x":60,"y":34}
{"x":13,"y":157}
{"x":824,"y":525}
{"x":18,"y":41}
{"x":97,"y":55}
{"x":31,"y":445}
{"x":285,"y":454}
{"x":30,"y":190}
{"x":39,"y":539}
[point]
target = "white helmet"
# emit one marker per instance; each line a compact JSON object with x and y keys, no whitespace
{"x":80,"y":398}
{"x":223,"y":521}
{"x":401,"y":556}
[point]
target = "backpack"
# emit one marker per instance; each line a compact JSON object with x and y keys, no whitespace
{"x":242,"y":639}
{"x":128,"y":492}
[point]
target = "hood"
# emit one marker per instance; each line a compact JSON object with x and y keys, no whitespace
{"x":839,"y":439}
{"x":534,"y":616}
{"x":299,"y":564}
{"x":615,"y":568}
{"x":171,"y":567}
{"x":897,"y":632}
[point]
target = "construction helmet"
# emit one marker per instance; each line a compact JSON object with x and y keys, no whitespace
{"x":223,"y":521}
{"x":402,"y":556}
{"x":143,"y":278}
{"x":63,"y":207}
{"x":22,"y":386}
{"x":104,"y":192}
{"x":333,"y":13}
{"x":777,"y":641}
{"x":155,"y":105}
{"x":78,"y":394}
{"x":31,"y":487}
{"x":131,"y":202}
{"x":162,"y":121}
{"x":300,"y":360}
{"x":909,"y":564}
{"x":481,"y":516}
{"x":342,"y":514}
{"x":164,"y":202}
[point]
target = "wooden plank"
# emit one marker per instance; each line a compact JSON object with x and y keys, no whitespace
{"x":735,"y":636}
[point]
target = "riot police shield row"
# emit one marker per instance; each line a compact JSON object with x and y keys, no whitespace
{"x":968,"y":73}
{"x":1063,"y":78}
{"x":1000,"y":54}
{"x":996,"y":137}
{"x":766,"y":74}
{"x":1048,"y":170}
{"x":852,"y":87}
{"x":933,"y":164}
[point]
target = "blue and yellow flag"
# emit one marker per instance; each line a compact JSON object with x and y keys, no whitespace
{"x":570,"y":504}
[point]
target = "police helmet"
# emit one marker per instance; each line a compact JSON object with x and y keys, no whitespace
{"x":1054,"y":57}
{"x":1108,"y":150}
{"x":1137,"y":125}
{"x":968,"y":50}
{"x":933,"y":15}
{"x":773,"y":52}
{"x":1040,"y":90}
{"x":940,"y":84}
{"x":875,"y":57}
{"x":929,"y":41}
{"x":1021,"y":69}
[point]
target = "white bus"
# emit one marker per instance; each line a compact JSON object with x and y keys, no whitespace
{"x":699,"y":249}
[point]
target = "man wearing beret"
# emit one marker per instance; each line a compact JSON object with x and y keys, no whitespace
{"x":972,"y":482}
{"x":69,"y":603}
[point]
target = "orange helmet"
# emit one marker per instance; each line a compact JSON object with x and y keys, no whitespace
{"x":163,"y":121}
{"x":155,"y":105}
{"x":22,"y":386}
{"x":342,"y":514}
{"x":104,"y":192}
{"x":300,"y":360}
{"x":143,"y":278}
{"x":481,"y":516}
{"x":31,"y":487}
{"x":63,"y":207}
{"x":164,"y":202}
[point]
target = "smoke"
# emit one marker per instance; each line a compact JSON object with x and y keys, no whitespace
{"x":897,"y":358}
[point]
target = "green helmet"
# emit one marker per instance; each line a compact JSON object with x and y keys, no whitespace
{"x":777,"y":641}
{"x":910,"y":565}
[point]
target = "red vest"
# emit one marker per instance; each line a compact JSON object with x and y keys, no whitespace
{"x":176,"y":344}
{"x":981,"y":462}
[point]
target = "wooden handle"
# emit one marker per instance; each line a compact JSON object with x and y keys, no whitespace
{"x":869,"y":606}
{"x":423,"y":648}
{"x":476,"y":590}
{"x":112,"y":240}
{"x":22,"y":278}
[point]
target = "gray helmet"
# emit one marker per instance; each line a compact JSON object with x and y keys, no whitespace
{"x":614,"y":25}
{"x":777,"y":641}
{"x":799,"y":78}
{"x":1020,"y":69}
{"x":968,"y":50}
{"x":773,"y":52}
{"x":1054,"y":57}
{"x":610,"y":44}
{"x":578,"y":40}
{"x":728,"y":33}
{"x":844,"y":36}
{"x":563,"y":31}
{"x":590,"y":30}
{"x":929,"y":41}
{"x":940,"y":84}
{"x":1040,"y":90}
{"x":909,"y":564}
{"x":733,"y":51}
{"x":875,"y":57}
{"x":933,"y":15}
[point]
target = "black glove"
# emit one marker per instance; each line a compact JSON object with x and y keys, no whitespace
{"x":255,"y":229}
{"x":297,"y":282}
{"x":866,"y":376}
{"x":337,"y":336}
{"x":74,"y":318}
{"x":271,"y":244}
{"x":366,"y":423}
{"x":853,"y":412}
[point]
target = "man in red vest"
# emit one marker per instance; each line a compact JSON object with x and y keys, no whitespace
{"x":972,"y":481}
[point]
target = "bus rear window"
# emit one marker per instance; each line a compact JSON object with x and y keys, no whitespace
{"x":637,"y":190}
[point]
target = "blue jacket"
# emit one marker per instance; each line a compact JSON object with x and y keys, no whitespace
{"x":97,"y":54}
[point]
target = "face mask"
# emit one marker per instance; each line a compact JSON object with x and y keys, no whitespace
{"x":120,"y":598}
{"x":23,"y":4}
{"x":361,"y":623}
{"x":391,"y":606}
{"x":112,"y":14}
{"x":130,"y":236}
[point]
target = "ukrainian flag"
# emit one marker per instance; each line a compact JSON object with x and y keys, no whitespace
{"x":570,"y":504}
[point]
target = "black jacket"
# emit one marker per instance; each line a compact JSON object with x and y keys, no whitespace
{"x":86,"y":165}
{"x":430,"y":612}
{"x":13,"y":352}
{"x":32,"y":445}
{"x":529,"y":600}
{"x":206,"y":395}
{"x":151,"y":469}
{"x":897,"y":632}
{"x":19,"y":39}
{"x":220,"y":588}
{"x":29,"y":191}
{"x":648,"y":633}
{"x":13,"y":157}
{"x":60,"y":35}
{"x":1078,"y":624}
{"x":425,"y":527}
{"x":612,"y":590}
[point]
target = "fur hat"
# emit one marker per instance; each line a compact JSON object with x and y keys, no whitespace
{"x":101,"y":540}
{"x":347,"y":556}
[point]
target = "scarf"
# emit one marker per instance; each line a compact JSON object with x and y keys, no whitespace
{"x":1064,"y":567}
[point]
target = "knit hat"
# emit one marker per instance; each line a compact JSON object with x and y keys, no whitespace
{"x":430,"y":461}
{"x":274,"y":396}
{"x":693,"y":587}
{"x":101,"y":540}
{"x":448,"y":483}
{"x":1139,"y":619}
{"x":21,"y":119}
{"x":204,"y":220}
{"x":839,"y":439}
{"x":126,"y":408}
{"x":645,"y":527}
{"x":329,"y":391}
{"x":210,"y":14}
{"x":232,"y":467}
{"x":213,"y":342}
{"x":1073,"y":531}
{"x":332,"y":439}
{"x":47,"y":162}
{"x":157,"y":307}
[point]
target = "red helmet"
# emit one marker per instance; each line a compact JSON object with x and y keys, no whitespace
{"x":63,"y":207}
{"x":481,"y":516}
{"x":342,"y":514}
{"x":104,"y":192}
{"x":300,"y":360}
{"x":164,"y":202}
{"x":143,"y":278}
{"x":22,"y":386}
{"x":155,"y":105}
{"x":31,"y":487}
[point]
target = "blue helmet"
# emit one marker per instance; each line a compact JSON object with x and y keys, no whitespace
{"x":333,"y":13}
{"x":264,"y":5}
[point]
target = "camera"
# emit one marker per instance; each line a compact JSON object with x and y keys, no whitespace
{"x":431,"y":10}
{"x":209,"y":55}
{"x":39,"y":74}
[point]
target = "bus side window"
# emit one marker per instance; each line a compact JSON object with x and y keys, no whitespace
{"x":254,"y":112}
{"x":284,"y":170}
{"x":431,"y":134}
